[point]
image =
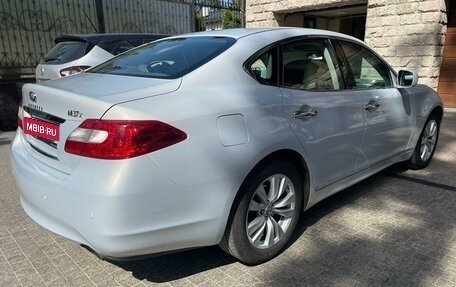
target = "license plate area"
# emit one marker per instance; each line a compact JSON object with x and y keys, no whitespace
{"x":41,"y":129}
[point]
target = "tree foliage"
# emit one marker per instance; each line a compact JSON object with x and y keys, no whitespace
{"x":230,"y":21}
{"x":200,"y":25}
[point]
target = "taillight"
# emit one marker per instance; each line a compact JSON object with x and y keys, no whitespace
{"x":73,"y":70}
{"x":119,"y":139}
{"x":20,"y":114}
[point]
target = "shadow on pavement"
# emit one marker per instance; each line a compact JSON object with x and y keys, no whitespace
{"x":177,"y":265}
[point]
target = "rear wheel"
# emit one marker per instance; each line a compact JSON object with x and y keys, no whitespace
{"x":427,"y":143}
{"x":265,"y":213}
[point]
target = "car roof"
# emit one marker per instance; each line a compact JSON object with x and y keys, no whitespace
{"x":95,"y":38}
{"x":244,"y":32}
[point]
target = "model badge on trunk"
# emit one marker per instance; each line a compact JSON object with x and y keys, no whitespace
{"x":75,"y":114}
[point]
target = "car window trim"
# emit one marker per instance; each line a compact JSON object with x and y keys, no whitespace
{"x":345,"y":70}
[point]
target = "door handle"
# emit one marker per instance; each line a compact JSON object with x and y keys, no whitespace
{"x":372,"y":105}
{"x":305,"y":114}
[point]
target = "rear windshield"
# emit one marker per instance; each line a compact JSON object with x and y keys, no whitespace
{"x":65,"y":52}
{"x":167,"y":59}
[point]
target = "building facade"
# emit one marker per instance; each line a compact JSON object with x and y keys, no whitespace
{"x":417,"y":35}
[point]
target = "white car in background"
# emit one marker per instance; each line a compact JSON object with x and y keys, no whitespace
{"x":73,"y":54}
{"x":221,"y":137}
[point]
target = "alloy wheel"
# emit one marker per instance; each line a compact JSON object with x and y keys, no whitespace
{"x":270,"y":211}
{"x":428,"y":140}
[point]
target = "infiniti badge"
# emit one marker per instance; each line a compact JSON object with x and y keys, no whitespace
{"x":32,"y":97}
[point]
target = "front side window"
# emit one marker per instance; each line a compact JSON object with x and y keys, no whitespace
{"x":310,"y":65}
{"x":368,"y":70}
{"x":167,"y":59}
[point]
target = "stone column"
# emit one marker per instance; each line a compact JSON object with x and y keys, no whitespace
{"x":409,"y":34}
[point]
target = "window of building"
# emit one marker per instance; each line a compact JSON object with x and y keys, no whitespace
{"x":350,"y":20}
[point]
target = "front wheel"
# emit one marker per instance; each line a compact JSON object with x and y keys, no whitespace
{"x":264,"y":214}
{"x":426,"y":144}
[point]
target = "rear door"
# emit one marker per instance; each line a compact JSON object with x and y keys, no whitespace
{"x":387,"y":112}
{"x":327,"y":119}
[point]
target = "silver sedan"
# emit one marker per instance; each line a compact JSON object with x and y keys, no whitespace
{"x":219,"y":137}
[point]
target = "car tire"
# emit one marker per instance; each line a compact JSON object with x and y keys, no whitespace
{"x":262,"y":219}
{"x":427,"y":142}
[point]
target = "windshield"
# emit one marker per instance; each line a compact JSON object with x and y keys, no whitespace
{"x":167,"y":59}
{"x":65,"y":52}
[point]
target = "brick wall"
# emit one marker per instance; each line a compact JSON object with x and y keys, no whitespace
{"x":409,"y":34}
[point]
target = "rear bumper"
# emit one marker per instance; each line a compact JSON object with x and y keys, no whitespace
{"x":121,"y":208}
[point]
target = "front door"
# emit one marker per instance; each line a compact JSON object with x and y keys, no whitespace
{"x":388,"y":120}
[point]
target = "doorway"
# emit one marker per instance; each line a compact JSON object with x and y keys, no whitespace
{"x":447,"y":80}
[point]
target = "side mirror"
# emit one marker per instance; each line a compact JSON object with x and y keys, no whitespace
{"x":407,"y":79}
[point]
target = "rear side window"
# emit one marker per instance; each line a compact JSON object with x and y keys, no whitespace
{"x":168,"y":59}
{"x":263,"y":68}
{"x":65,"y":52}
{"x":368,"y":70}
{"x":310,"y":65}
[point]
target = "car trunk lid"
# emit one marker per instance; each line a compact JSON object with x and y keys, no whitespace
{"x":60,"y":106}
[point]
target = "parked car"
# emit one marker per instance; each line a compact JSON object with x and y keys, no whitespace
{"x":221,"y":137}
{"x":75,"y":53}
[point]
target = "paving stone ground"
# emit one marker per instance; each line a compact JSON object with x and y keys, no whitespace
{"x":397,"y":228}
